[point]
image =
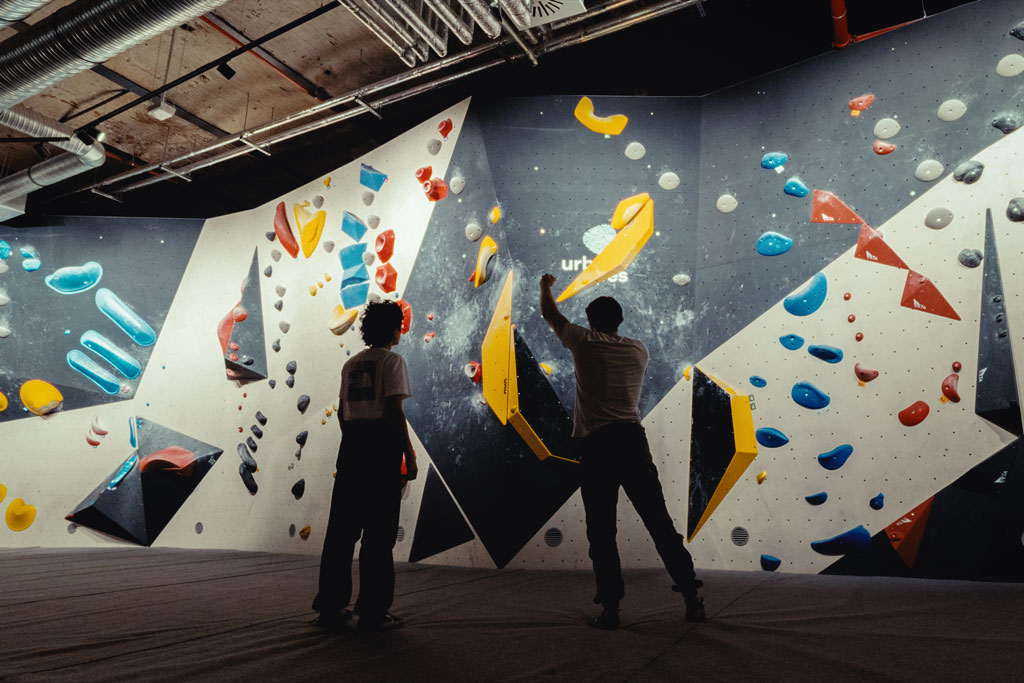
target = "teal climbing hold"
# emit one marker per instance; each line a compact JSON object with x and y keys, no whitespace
{"x":758,"y":381}
{"x":816,"y":498}
{"x":809,"y":396}
{"x":808,"y":298}
{"x":856,"y":538}
{"x":770,"y":563}
{"x":829,"y":354}
{"x":773,"y":160}
{"x":796,"y":187}
{"x":791,"y":341}
{"x":878,"y":502}
{"x":835,"y":458}
{"x":773,"y":244}
{"x":769,"y":437}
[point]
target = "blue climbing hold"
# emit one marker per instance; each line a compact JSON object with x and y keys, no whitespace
{"x":773,"y":244}
{"x":809,"y":396}
{"x":758,"y":381}
{"x":795,"y":187}
{"x":352,"y":255}
{"x":93,"y":371}
{"x":29,"y":252}
{"x":354,"y":275}
{"x":769,"y":437}
{"x":878,"y":502}
{"x":122,"y":361}
{"x":836,"y":457}
{"x":354,"y":295}
{"x":5,"y":249}
{"x":856,"y":538}
{"x":773,"y":160}
{"x":808,"y":298}
{"x":816,"y":498}
{"x":353,"y":227}
{"x":74,"y":279}
{"x":123,"y":472}
{"x":131,"y":432}
{"x":791,"y":341}
{"x":829,"y":354}
{"x":770,"y":563}
{"x":31,"y":264}
{"x":371,"y":177}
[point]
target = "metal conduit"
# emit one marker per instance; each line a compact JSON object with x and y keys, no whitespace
{"x":399,"y":28}
{"x":452,"y":20}
{"x":16,"y":10}
{"x":405,"y":54}
{"x":419,"y":25}
{"x":36,"y":125}
{"x":583,"y":35}
{"x":517,"y":11}
{"x":51,"y":171}
{"x":482,"y":15}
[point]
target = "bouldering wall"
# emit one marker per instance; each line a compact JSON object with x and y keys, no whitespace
{"x":825,"y":264}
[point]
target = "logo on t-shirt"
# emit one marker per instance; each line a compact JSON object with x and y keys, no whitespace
{"x":362,"y":381}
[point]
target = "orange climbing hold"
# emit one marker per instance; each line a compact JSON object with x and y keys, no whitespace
{"x":423,"y":173}
{"x":406,"y":315}
{"x":949,"y":388}
{"x":384,"y":245}
{"x":882,"y":148}
{"x":386,"y":278}
{"x":914,"y":414}
{"x":435,"y":189}
{"x":871,"y":247}
{"x":861,"y":103}
{"x":921,"y":294}
{"x":906,"y":533}
{"x":173,"y":459}
{"x":445,"y":128}
{"x":828,"y":208}
{"x":284,"y":231}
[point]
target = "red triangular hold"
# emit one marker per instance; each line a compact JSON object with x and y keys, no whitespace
{"x":871,"y":247}
{"x":905,"y":533}
{"x":828,"y":208}
{"x":921,"y":294}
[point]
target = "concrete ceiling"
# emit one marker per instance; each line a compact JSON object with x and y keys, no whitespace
{"x":686,"y":52}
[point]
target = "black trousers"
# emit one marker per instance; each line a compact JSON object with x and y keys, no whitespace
{"x":366,"y":502}
{"x":618,"y":455}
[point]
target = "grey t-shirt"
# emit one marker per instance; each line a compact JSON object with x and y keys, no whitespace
{"x":609,"y":377}
{"x":368,"y":378}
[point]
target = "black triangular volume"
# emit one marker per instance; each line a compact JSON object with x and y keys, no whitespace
{"x":539,"y":403}
{"x":997,"y":400}
{"x":247,"y":335}
{"x":118,"y":511}
{"x":712,"y":444}
{"x":878,"y":559}
{"x":440,"y":525}
{"x":989,"y":477}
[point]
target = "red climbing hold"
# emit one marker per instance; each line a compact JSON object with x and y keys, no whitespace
{"x":423,"y":174}
{"x":828,"y":208}
{"x":386,"y":278}
{"x":407,"y":315}
{"x":921,"y":294}
{"x":859,"y":104}
{"x":956,"y":366}
{"x":173,"y":459}
{"x":430,"y":316}
{"x":428,"y":336}
{"x":859,"y":336}
{"x":384,"y":245}
{"x":436,"y":189}
{"x":475,"y":371}
{"x":850,"y":318}
{"x":881,"y":147}
{"x":949,"y":389}
{"x":284,"y":231}
{"x":914,"y":414}
{"x":864,"y":374}
{"x":444,"y":128}
{"x":905,"y":533}
{"x":871,"y":247}
{"x":846,"y":297}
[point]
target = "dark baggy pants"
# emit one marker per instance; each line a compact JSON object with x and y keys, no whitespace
{"x":618,"y":455}
{"x":366,"y":501}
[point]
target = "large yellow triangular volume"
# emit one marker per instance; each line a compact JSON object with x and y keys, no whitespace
{"x":311,"y":226}
{"x":524,"y":429}
{"x":746,"y":451}
{"x":619,"y":253}
{"x":609,"y":125}
{"x":627,"y":209}
{"x":498,"y":358}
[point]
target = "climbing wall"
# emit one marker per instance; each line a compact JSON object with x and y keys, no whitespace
{"x":824,"y":263}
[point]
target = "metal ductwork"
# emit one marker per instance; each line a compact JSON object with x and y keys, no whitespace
{"x":406,"y":54}
{"x":50,"y":171}
{"x":517,"y":11}
{"x":452,"y":20}
{"x":36,"y":125}
{"x":436,"y":42}
{"x":385,"y":16}
{"x":81,"y":35}
{"x":16,"y":10}
{"x":483,"y":17}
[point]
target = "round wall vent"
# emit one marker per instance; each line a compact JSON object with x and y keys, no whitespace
{"x":553,"y":537}
{"x":401,"y":534}
{"x":740,"y":536}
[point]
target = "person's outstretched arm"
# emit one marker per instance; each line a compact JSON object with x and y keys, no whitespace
{"x":548,"y":308}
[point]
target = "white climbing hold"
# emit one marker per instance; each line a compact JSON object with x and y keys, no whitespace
{"x":668,"y":180}
{"x":1010,"y":66}
{"x":726,"y":203}
{"x":457,"y":184}
{"x":681,"y":279}
{"x":951,"y":110}
{"x":635,"y":150}
{"x":4,"y":332}
{"x":4,"y":299}
{"x":97,"y":426}
{"x":886,"y":128}
{"x":928,"y":170}
{"x":474,"y":232}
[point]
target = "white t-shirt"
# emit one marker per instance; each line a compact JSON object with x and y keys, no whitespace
{"x":609,"y":377}
{"x":368,"y":378}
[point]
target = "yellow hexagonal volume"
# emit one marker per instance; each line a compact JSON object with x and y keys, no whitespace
{"x":608,"y":125}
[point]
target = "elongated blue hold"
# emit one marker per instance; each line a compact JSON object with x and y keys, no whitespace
{"x":74,"y":279}
{"x":5,"y":249}
{"x":856,"y":538}
{"x":836,"y":457}
{"x":770,"y":437}
{"x":816,"y":498}
{"x":93,"y":371}
{"x":353,"y":227}
{"x":809,"y":396}
{"x":124,"y":317}
{"x":28,"y":252}
{"x":131,"y":432}
{"x":878,"y":502}
{"x":371,"y":177}
{"x":122,"y":361}
{"x":773,"y":243}
{"x":123,"y":472}
{"x":773,"y":160}
{"x":770,"y":563}
{"x":796,"y":187}
{"x":758,"y":381}
{"x":829,"y":354}
{"x":808,"y":298}
{"x":791,"y":341}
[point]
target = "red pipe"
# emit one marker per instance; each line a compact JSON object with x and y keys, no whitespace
{"x":842,"y":31}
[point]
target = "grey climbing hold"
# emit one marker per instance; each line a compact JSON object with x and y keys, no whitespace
{"x":299,"y":488}
{"x":261,"y":418}
{"x":285,"y":326}
{"x":367,"y":198}
{"x":1015,"y":209}
{"x":276,"y":345}
{"x":938,"y":218}
{"x":970,"y":258}
{"x":278,"y":305}
{"x":247,"y":460}
{"x":301,"y":438}
{"x":328,"y":246}
{"x":434,"y":146}
{"x":256,"y":431}
{"x":271,"y":235}
{"x":968,"y":172}
{"x":318,"y":201}
{"x":268,"y":271}
{"x":272,"y":383}
{"x":247,"y":479}
{"x":275,"y":254}
{"x":251,"y":443}
{"x":1018,"y":31}
{"x":291,"y":367}
{"x":303,"y":403}
{"x":291,"y":530}
{"x":373,"y":221}
{"x":247,"y":360}
{"x":1006,"y":123}
{"x":280,"y":289}
{"x":367,"y":258}
{"x":290,"y":381}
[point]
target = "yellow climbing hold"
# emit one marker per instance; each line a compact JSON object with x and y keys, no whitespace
{"x":608,"y":125}
{"x":312,"y":290}
{"x":546,"y":368}
{"x":495,"y":214}
{"x":320,"y":284}
{"x":305,"y":532}
{"x":328,"y":412}
{"x":761,"y":477}
{"x":40,"y":397}
{"x":311,"y":226}
{"x":340,"y":320}
{"x":20,"y":515}
{"x":323,"y":421}
{"x":627,"y":210}
{"x":686,"y":372}
{"x":3,"y":402}
{"x":488,"y":248}
{"x":327,"y":277}
{"x":3,"y":492}
{"x":327,"y":181}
